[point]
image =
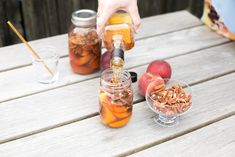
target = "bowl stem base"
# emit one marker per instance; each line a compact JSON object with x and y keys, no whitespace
{"x":167,"y":121}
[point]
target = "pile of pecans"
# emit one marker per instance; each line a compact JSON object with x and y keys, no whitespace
{"x":170,"y":101}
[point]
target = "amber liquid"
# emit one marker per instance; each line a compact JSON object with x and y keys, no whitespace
{"x":119,"y":23}
{"x":116,"y":110}
{"x":117,"y":67}
{"x":84,"y":53}
{"x":124,"y":30}
{"x":120,"y":17}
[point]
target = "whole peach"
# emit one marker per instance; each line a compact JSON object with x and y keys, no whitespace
{"x":160,"y":67}
{"x":146,"y":79}
{"x":105,"y":60}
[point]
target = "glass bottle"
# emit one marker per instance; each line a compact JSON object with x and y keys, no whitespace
{"x":84,"y":43}
{"x":119,"y":24}
{"x":115,"y":99}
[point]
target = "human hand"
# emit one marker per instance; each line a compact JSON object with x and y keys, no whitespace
{"x":107,"y":7}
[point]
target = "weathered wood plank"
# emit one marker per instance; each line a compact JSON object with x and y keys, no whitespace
{"x":90,"y":138}
{"x":168,"y":45}
{"x":156,"y":25}
{"x":214,"y":140}
{"x":63,"y":105}
{"x":10,"y":59}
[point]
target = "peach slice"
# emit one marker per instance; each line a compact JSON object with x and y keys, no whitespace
{"x":83,"y":60}
{"x":119,"y":123}
{"x":106,"y":115}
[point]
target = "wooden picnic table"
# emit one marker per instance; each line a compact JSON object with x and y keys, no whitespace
{"x":61,"y":119}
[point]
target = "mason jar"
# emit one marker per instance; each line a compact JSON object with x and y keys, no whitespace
{"x":84,"y":43}
{"x":115,"y":98}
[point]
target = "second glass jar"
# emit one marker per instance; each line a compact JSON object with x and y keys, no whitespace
{"x":84,"y":43}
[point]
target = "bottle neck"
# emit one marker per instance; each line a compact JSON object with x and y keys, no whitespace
{"x":117,"y":53}
{"x":118,"y":47}
{"x":117,"y":59}
{"x":108,"y":85}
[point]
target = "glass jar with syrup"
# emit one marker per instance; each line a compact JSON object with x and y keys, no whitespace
{"x":84,"y":43}
{"x":115,"y":99}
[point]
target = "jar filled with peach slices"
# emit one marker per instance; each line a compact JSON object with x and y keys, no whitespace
{"x":115,"y":99}
{"x":84,"y":43}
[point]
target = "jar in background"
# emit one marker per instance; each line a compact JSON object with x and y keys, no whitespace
{"x":84,"y":43}
{"x":115,"y":99}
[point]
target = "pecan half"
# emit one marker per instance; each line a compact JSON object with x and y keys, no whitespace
{"x":171,"y":100}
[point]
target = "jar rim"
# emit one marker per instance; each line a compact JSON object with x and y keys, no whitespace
{"x":117,"y":86}
{"x":46,"y":52}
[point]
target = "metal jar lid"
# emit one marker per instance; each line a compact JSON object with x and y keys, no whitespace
{"x":84,"y":18}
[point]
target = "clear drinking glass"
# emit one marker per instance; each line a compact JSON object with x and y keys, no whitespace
{"x":167,"y":115}
{"x":49,"y":58}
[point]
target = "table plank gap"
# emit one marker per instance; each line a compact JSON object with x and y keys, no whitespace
{"x":13,"y":138}
{"x":187,"y":53}
{"x":213,"y":77}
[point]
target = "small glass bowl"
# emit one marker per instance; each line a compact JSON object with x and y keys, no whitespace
{"x":170,"y":118}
